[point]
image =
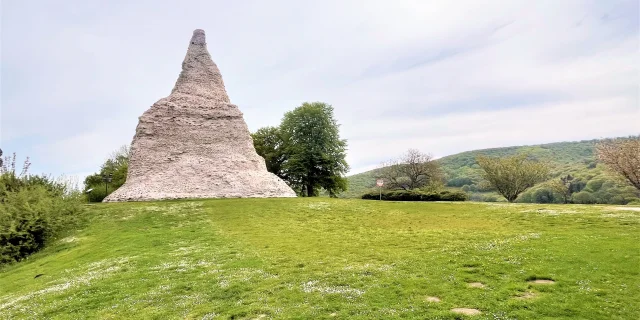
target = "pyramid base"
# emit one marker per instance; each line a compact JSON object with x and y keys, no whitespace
{"x":254,"y":184}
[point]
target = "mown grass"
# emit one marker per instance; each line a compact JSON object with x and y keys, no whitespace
{"x":333,"y":258}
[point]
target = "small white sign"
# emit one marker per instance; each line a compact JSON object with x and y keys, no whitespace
{"x":380,"y":182}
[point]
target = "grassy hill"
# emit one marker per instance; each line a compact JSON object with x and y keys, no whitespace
{"x":333,"y":258}
{"x":575,"y":158}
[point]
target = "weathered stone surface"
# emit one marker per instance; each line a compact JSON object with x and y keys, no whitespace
{"x":195,"y":144}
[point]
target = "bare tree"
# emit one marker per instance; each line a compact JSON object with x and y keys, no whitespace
{"x":413,"y":170}
{"x":623,"y":157}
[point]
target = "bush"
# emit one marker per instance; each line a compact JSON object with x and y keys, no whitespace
{"x":595,"y":185}
{"x":459,"y":182}
{"x":33,"y":210}
{"x":544,"y":195}
{"x":490,"y":198}
{"x":30,"y":217}
{"x":584,"y":197}
{"x":408,"y":195}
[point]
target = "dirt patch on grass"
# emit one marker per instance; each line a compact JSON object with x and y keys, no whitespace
{"x":476,"y":285}
{"x":466,"y":311}
{"x":542,"y":281}
{"x":433,"y":299}
{"x":526,"y":296}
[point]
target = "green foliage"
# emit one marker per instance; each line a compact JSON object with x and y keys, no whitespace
{"x":512,"y":175}
{"x":12,"y":181}
{"x":32,"y":216}
{"x":564,"y":158}
{"x":595,"y":185}
{"x":544,"y":195}
{"x":33,"y":209}
{"x":117,"y":165}
{"x":416,"y":195}
{"x":584,"y":197}
{"x":270,"y":145}
{"x":306,"y":150}
{"x":459,"y":182}
{"x":564,"y":187}
{"x":98,"y":193}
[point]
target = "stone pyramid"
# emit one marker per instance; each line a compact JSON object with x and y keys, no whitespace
{"x":195,"y":143}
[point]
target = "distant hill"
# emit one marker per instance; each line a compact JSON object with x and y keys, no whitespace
{"x":575,"y":158}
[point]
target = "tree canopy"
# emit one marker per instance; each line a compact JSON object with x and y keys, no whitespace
{"x":412,"y":170}
{"x":306,"y":150}
{"x":512,"y":175}
{"x":623,"y":157}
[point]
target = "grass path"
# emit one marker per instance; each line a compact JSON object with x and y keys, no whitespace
{"x":334,"y":259}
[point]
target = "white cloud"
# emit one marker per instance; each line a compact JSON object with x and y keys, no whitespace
{"x":441,"y":76}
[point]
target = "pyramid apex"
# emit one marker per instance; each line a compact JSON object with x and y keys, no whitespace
{"x":200,"y":76}
{"x":198,"y":37}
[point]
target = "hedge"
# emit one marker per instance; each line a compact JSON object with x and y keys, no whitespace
{"x":406,"y":195}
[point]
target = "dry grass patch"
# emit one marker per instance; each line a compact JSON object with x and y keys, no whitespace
{"x":466,"y":311}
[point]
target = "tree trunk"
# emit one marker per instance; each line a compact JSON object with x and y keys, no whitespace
{"x":310,"y":191}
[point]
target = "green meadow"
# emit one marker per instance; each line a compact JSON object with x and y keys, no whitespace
{"x":334,"y":259}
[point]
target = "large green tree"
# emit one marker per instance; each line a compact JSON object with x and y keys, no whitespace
{"x":306,"y":150}
{"x":513,"y":175}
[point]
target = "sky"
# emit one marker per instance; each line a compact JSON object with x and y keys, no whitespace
{"x":438,"y":76}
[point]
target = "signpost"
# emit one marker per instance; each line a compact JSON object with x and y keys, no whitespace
{"x":380,"y":183}
{"x":107,"y":179}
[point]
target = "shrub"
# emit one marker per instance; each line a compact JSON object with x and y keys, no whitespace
{"x":30,"y":217}
{"x":413,"y":195}
{"x":490,"y":198}
{"x":595,"y":184}
{"x":584,"y":197}
{"x":526,"y":197}
{"x":33,"y":210}
{"x":459,"y":182}
{"x":544,"y":195}
{"x":453,"y":196}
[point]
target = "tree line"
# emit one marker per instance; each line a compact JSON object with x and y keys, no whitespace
{"x":511,"y":176}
